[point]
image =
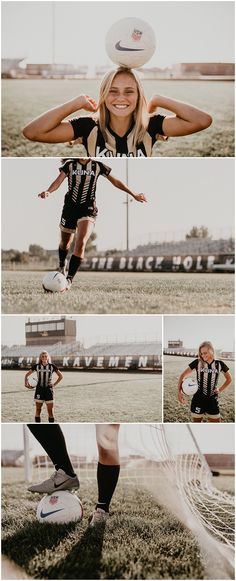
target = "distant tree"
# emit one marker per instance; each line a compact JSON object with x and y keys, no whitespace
{"x":36,"y":250}
{"x":198,"y":232}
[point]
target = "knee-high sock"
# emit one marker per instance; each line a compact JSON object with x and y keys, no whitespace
{"x":74,"y":265}
{"x":107,"y":478}
{"x":52,"y":440}
{"x":62,"y":256}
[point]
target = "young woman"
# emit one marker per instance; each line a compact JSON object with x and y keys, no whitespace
{"x":80,"y":211}
{"x":45,"y":386}
{"x":122,"y":124}
{"x":208,"y":369}
{"x":52,"y":440}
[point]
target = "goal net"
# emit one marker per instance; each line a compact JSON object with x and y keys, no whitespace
{"x":167,"y":460}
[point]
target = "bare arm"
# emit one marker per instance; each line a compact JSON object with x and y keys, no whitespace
{"x":26,"y":378}
{"x":121,"y":186}
{"x":187,"y":119}
{"x":51,"y":127}
{"x":54,"y":186}
{"x":183,"y":375}
{"x":59,"y":378}
{"x":228,"y":379}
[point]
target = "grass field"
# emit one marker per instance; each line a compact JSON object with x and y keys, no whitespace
{"x":88,"y":397}
{"x":142,"y":540}
{"x":103,"y":293}
{"x":173,"y":410}
{"x":22,"y":100}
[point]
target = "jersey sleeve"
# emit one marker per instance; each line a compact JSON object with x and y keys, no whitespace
{"x":33,"y":367}
{"x":82,"y":126}
{"x":155,"y":126}
{"x":54,"y":368}
{"x":223,"y":367}
{"x":65,"y":167}
{"x":193,"y":364}
{"x":105,"y":170}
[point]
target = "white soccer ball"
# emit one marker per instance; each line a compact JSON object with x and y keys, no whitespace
{"x":32,"y":381}
{"x":61,"y":507}
{"x":54,"y":282}
{"x":130,"y":42}
{"x":189,"y":386}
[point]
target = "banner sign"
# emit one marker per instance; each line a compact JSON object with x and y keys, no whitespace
{"x":107,"y":362}
{"x":177,"y":263}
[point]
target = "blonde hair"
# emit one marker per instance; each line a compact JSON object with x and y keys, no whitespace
{"x":210,"y":348}
{"x":44,"y":353}
{"x":140,"y":114}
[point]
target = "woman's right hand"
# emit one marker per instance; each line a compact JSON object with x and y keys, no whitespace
{"x":43,"y":195}
{"x":181,"y":397}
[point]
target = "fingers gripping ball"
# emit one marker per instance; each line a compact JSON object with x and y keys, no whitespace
{"x":189,"y":386}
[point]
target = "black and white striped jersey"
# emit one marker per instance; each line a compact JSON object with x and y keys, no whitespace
{"x":208,"y":374}
{"x":44,"y":373}
{"x":82,"y":180}
{"x":88,"y":133}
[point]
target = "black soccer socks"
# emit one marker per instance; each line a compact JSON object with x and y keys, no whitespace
{"x":107,"y":477}
{"x":74,"y":265}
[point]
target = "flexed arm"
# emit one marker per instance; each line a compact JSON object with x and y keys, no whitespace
{"x":187,"y":119}
{"x":54,"y":186}
{"x":51,"y":127}
{"x":121,"y":186}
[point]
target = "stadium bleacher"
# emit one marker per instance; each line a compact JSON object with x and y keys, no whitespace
{"x":190,"y":246}
{"x":74,"y":349}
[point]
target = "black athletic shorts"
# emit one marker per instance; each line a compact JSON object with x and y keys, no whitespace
{"x":71,"y":213}
{"x":204,"y":404}
{"x":43,"y":393}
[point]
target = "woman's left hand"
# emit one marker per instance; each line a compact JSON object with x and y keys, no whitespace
{"x":140,"y":198}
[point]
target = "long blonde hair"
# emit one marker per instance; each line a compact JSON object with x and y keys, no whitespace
{"x":140,"y":114}
{"x":210,"y":348}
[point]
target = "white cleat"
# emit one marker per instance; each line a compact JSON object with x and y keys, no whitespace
{"x":98,"y":517}
{"x":69,"y":283}
{"x":58,"y":481}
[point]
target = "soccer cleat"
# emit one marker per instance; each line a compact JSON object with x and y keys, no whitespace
{"x":99,"y":516}
{"x":69,"y":283}
{"x":58,"y":481}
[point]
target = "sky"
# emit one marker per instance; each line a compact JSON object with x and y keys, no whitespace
{"x":185,"y":31}
{"x":92,"y":328}
{"x":192,"y":330}
{"x":192,"y":189}
{"x":81,"y":438}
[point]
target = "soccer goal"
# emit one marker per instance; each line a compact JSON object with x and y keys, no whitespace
{"x":167,"y":460}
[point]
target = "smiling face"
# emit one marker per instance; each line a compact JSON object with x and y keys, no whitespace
{"x":122,"y":97}
{"x":44,"y":358}
{"x":206,"y":354}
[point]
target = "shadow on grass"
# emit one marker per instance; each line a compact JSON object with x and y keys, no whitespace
{"x":82,"y":561}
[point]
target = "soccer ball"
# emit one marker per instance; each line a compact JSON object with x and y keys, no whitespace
{"x":189,"y":386}
{"x":61,"y":507}
{"x":54,"y":282}
{"x":130,"y":42}
{"x":32,"y":381}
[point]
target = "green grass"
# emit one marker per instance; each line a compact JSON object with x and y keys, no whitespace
{"x":115,"y":292}
{"x":173,"y":410}
{"x":142,"y":540}
{"x":88,"y":397}
{"x":22,"y":100}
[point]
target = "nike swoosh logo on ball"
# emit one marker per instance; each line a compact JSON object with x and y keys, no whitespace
{"x":119,"y":47}
{"x":45,"y":514}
